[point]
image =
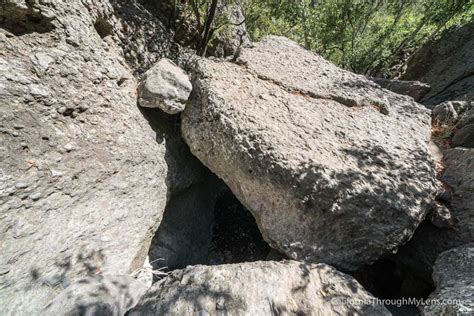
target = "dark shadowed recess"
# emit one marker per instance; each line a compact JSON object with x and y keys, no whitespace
{"x":235,"y":234}
{"x":165,"y":10}
{"x":203,"y":222}
{"x":386,"y":279}
{"x":20,"y":21}
{"x":206,"y":224}
{"x":103,"y":27}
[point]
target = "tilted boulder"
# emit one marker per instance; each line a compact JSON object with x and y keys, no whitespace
{"x":165,"y":86}
{"x":83,"y":179}
{"x":258,"y":288}
{"x":454,"y":279}
{"x":333,"y":168}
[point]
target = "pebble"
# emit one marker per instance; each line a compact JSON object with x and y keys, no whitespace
{"x":21,"y":185}
{"x":69,"y":147}
{"x":35,"y":196}
{"x":56,"y":173}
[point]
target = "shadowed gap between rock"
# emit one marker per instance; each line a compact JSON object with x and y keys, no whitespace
{"x":203,"y":223}
{"x":206,"y":224}
{"x":386,"y":279}
{"x":21,"y":21}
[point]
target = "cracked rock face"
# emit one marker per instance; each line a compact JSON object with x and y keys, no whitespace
{"x":333,"y":168}
{"x":454,"y":283}
{"x":258,"y":288}
{"x":83,"y":180}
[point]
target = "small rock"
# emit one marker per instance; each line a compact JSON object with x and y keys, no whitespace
{"x":21,"y":185}
{"x":52,"y":279}
{"x":42,"y":60}
{"x":35,"y":196}
{"x":38,"y":90}
{"x":56,"y":173}
{"x":69,"y":147}
{"x":444,"y":113}
{"x":440,"y":216}
{"x":165,"y":86}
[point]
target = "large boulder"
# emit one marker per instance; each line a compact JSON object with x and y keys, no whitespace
{"x":428,"y":242}
{"x":333,"y":168}
{"x":454,"y":279}
{"x":258,"y":288}
{"x":84,"y":178}
{"x":447,"y":65}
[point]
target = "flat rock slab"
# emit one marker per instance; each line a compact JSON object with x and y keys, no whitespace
{"x":258,"y":288}
{"x":333,"y":168}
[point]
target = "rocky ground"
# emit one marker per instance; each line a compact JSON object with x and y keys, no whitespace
{"x":137,"y":178}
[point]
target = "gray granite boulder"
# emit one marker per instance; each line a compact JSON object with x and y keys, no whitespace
{"x":454,"y":279}
{"x":84,"y":178}
{"x":258,"y":288}
{"x":333,"y":168}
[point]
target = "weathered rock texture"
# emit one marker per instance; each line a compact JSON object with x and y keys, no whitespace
{"x":464,"y":134}
{"x":447,"y":65}
{"x":100,"y":295}
{"x":454,"y":279}
{"x":420,"y":253}
{"x":165,"y":86}
{"x":258,"y":288}
{"x":84,"y":179}
{"x":414,"y":89}
{"x":333,"y":168}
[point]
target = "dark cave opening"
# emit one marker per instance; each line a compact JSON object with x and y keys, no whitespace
{"x":206,"y":224}
{"x":235,"y":234}
{"x":103,"y":27}
{"x":388,"y":280}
